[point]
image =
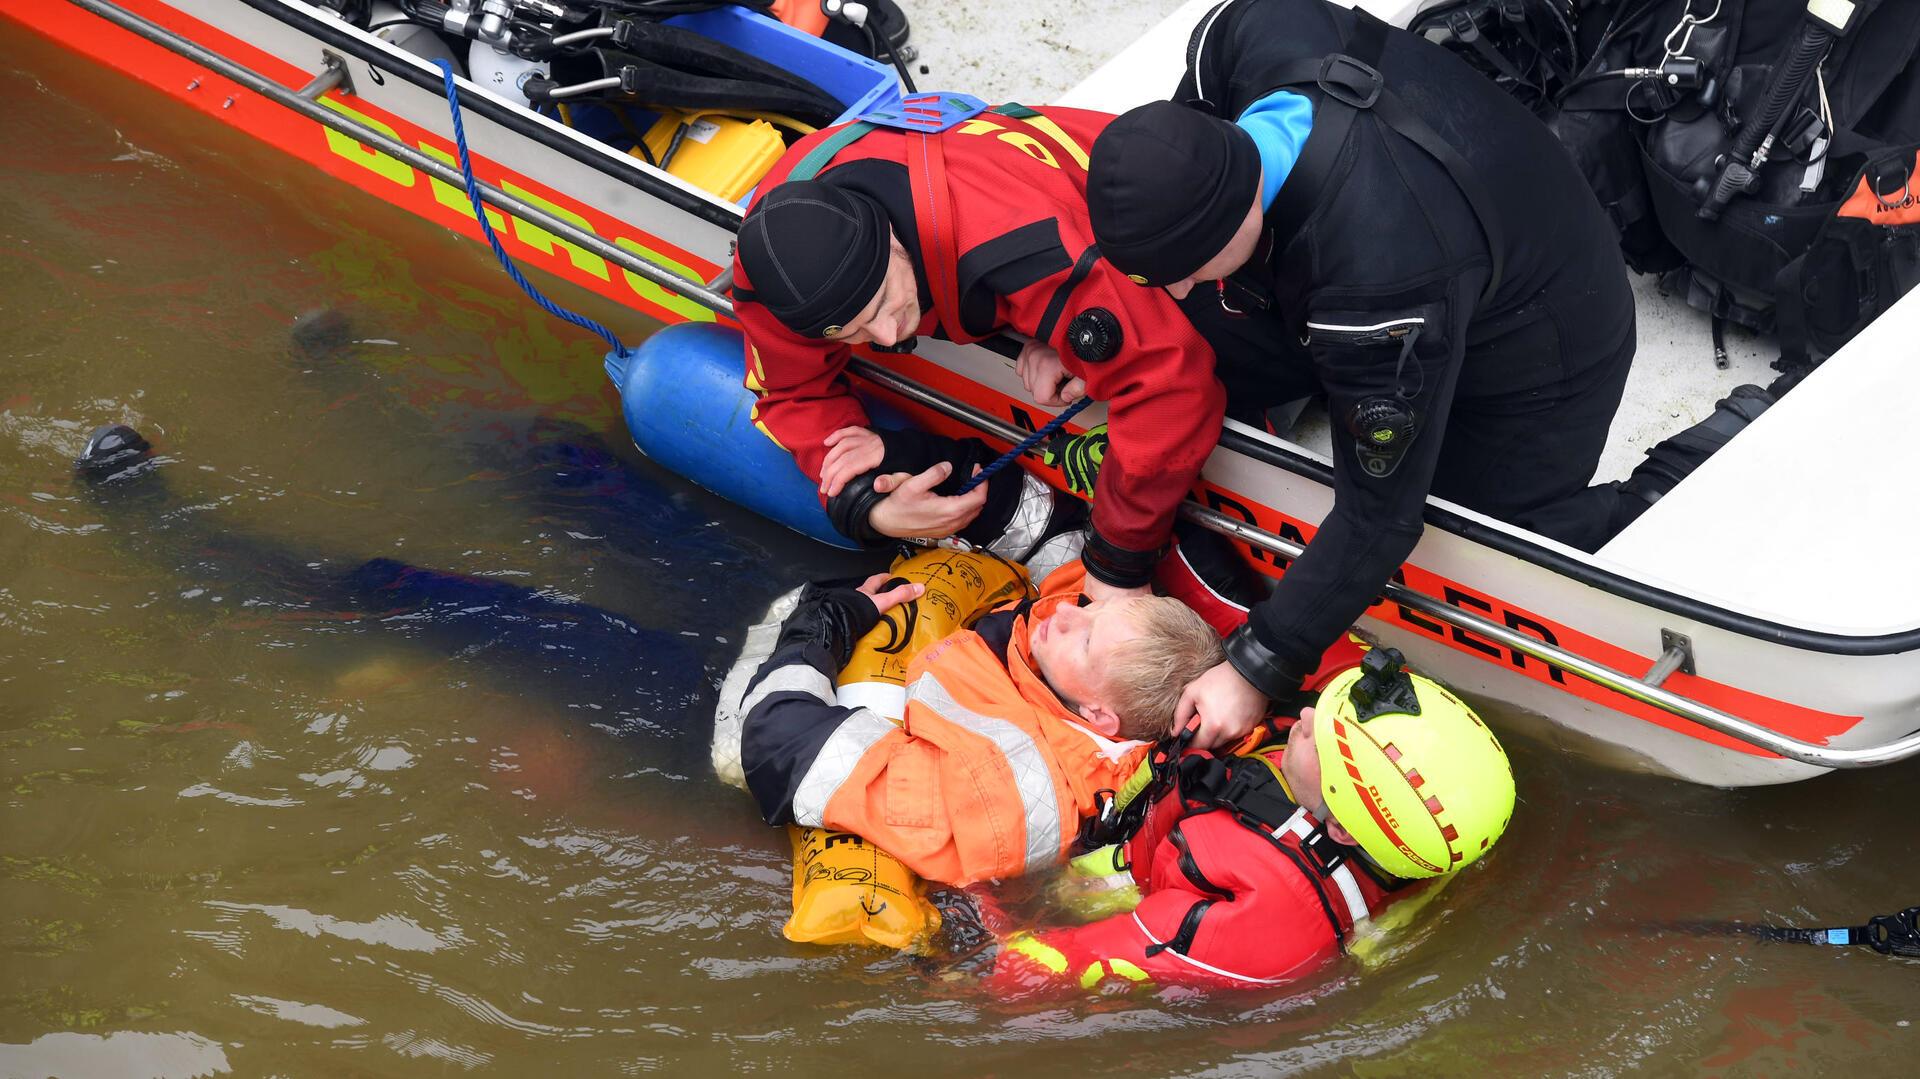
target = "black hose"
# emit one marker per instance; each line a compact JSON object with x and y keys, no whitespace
{"x":1738,"y":174}
{"x":873,"y":42}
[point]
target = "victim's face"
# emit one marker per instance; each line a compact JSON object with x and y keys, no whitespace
{"x":1075,"y":647}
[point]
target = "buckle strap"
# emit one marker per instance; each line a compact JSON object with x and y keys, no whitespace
{"x":1350,"y":83}
{"x":933,"y":212}
{"x":1343,"y":79}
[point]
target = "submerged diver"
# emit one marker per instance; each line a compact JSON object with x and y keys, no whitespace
{"x":866,"y":235}
{"x":571,"y":653}
{"x":1352,"y":211}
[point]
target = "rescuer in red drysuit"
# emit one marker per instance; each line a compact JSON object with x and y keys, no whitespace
{"x":870,"y":235}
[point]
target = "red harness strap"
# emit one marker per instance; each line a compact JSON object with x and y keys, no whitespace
{"x":933,"y":207}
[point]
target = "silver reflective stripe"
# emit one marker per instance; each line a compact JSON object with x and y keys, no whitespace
{"x":1030,"y":772}
{"x":792,"y":678}
{"x":1200,"y":46}
{"x":1055,"y":553}
{"x":1030,"y":517}
{"x":835,"y":762}
{"x":727,"y":712}
{"x":1341,"y":877}
{"x":1367,"y":329}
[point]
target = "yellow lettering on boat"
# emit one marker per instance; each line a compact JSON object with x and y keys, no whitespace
{"x":346,"y":146}
{"x":541,"y":240}
{"x":455,"y":198}
{"x":690,"y":310}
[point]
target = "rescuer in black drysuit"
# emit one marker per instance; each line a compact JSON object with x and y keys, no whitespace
{"x":1352,"y":211}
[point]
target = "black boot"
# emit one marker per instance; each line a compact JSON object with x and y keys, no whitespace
{"x":111,"y":452}
{"x":1675,"y":458}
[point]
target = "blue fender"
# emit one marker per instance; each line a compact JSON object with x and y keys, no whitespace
{"x":686,"y":408}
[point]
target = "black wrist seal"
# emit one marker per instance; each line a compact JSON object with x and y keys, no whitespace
{"x":1263,"y":668}
{"x":1118,"y":566}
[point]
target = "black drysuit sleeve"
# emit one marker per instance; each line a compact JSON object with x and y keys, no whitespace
{"x":1389,"y":365}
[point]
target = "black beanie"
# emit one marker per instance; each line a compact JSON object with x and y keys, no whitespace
{"x":815,"y":254}
{"x":1167,"y":187}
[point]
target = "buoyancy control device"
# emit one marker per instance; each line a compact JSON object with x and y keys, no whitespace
{"x":1758,"y":154}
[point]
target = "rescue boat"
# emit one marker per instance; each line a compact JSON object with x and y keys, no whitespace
{"x":1754,"y":627}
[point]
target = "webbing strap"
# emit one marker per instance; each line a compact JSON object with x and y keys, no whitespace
{"x":933,"y":209}
{"x":1340,"y":101}
{"x":828,"y":148}
{"x":1397,"y":116}
{"x":1300,"y":193}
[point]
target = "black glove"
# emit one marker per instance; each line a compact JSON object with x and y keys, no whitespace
{"x":914,"y":452}
{"x":833,"y":615}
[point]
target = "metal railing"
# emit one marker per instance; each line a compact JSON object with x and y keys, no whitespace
{"x":1646,"y":689}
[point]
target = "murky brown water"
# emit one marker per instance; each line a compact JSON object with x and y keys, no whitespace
{"x":253,"y":822}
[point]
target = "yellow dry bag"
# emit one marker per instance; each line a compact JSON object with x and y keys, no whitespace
{"x":848,"y":891}
{"x":961,"y":586}
{"x":845,"y":889}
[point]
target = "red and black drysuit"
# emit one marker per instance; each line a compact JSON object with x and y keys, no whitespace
{"x":1016,"y":254}
{"x":1240,"y":888}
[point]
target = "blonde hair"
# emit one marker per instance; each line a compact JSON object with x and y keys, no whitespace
{"x":1146,"y":675}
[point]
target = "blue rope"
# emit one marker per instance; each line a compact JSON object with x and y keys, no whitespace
{"x":480,"y":212}
{"x":1026,"y":444}
{"x":585,"y":323}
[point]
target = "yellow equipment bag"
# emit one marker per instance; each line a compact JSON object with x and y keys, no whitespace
{"x":961,"y":586}
{"x":846,"y":890}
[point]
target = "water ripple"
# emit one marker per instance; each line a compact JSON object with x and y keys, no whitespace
{"x":391,"y":930}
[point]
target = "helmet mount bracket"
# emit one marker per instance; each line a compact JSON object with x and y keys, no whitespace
{"x":1384,"y":686}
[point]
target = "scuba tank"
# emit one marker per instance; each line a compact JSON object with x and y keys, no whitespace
{"x":390,"y":24}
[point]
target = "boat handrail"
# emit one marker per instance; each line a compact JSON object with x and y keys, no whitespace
{"x":1645,"y":689}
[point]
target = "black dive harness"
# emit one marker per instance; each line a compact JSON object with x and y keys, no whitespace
{"x":1350,"y":83}
{"x":1247,"y":788}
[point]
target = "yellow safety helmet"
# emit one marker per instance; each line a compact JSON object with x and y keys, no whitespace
{"x":1418,"y":779}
